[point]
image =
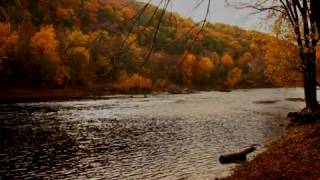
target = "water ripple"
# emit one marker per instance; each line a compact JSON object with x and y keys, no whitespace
{"x":159,"y":137}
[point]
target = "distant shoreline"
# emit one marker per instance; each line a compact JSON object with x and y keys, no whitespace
{"x":16,"y":95}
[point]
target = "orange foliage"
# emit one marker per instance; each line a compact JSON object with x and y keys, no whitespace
{"x":163,"y":84}
{"x":8,"y":39}
{"x":44,"y":43}
{"x":71,"y":3}
{"x":134,"y":82}
{"x":205,"y":66}
{"x":187,"y":64}
{"x":4,"y":29}
{"x":234,"y":77}
{"x":254,"y":48}
{"x":128,"y":12}
{"x":61,"y":75}
{"x":64,"y":13}
{"x":91,"y":7}
{"x":227,"y":60}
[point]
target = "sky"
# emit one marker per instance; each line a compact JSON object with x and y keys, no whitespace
{"x":220,"y":13}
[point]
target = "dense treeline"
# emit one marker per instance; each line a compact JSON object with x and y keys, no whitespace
{"x":106,"y":43}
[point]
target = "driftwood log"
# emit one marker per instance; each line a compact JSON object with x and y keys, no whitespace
{"x":238,"y":157}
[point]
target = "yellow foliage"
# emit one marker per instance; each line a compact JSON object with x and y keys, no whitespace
{"x":77,"y":43}
{"x":216,"y":59}
{"x":77,"y":38}
{"x":80,"y":52}
{"x":245,"y":58}
{"x":134,"y":82}
{"x":234,"y":77}
{"x":235,"y":45}
{"x":282,"y":62}
{"x":227,"y":60}
{"x":131,"y":42}
{"x":44,"y":43}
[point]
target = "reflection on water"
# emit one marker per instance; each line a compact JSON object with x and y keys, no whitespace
{"x":158,"y":137}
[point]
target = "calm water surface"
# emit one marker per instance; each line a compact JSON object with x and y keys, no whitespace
{"x":133,"y":137}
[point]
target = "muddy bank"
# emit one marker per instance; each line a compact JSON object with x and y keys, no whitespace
{"x":34,"y":95}
{"x":11,"y":95}
{"x":296,"y":155}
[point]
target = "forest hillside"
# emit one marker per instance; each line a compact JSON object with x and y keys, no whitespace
{"x":108,"y":43}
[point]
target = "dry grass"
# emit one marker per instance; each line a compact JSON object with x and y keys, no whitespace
{"x":294,"y":156}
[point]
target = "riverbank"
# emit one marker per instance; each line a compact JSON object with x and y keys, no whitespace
{"x":25,"y":94}
{"x":9,"y":95}
{"x":296,"y":155}
{"x":34,"y":95}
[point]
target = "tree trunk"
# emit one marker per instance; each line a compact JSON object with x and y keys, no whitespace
{"x":310,"y":82}
{"x":315,"y":5}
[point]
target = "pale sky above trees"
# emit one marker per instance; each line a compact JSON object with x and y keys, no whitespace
{"x":220,"y":12}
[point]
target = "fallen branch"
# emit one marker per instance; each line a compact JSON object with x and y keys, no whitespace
{"x":238,"y":157}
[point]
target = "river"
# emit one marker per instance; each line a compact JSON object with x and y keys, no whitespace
{"x":137,"y":137}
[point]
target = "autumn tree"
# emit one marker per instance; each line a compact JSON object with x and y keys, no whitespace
{"x":65,"y":15}
{"x":204,"y":67}
{"x":135,"y":82}
{"x":48,"y":65}
{"x":187,"y":66}
{"x":254,"y":49}
{"x":227,"y":60}
{"x":75,"y":47}
{"x":234,"y":77}
{"x":8,"y":39}
{"x":282,"y":67}
{"x":302,"y":18}
{"x":92,"y":41}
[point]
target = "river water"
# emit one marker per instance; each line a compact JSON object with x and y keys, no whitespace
{"x":136,"y":137}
